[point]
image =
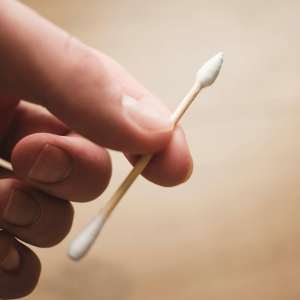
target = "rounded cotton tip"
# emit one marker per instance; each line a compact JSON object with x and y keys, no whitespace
{"x":210,"y":70}
{"x":83,"y":242}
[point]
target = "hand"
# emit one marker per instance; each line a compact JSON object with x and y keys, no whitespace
{"x":58,"y":155}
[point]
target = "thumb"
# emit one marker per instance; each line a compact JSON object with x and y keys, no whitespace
{"x":42,"y":64}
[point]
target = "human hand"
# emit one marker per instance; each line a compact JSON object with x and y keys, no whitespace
{"x":59,"y":155}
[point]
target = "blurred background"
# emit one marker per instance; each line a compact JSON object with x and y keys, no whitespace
{"x":233,"y":230}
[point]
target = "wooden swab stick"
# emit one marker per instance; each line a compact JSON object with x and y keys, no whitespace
{"x":80,"y":246}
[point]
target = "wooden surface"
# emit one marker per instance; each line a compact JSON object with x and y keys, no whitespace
{"x":233,"y":230}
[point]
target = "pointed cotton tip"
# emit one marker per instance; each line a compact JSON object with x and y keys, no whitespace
{"x":210,"y":70}
{"x":83,"y":242}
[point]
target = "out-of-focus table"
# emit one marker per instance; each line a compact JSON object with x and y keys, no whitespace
{"x":233,"y":230}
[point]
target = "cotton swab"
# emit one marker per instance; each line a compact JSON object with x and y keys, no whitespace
{"x":82,"y":243}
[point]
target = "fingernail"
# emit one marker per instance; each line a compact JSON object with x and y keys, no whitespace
{"x":22,"y":209}
{"x":53,"y":165}
{"x":146,"y":117}
{"x":12,"y":261}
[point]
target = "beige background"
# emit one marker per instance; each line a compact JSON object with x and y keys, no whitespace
{"x":233,"y":230}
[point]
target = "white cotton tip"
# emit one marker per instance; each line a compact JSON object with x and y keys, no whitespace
{"x":210,"y":70}
{"x":83,"y":242}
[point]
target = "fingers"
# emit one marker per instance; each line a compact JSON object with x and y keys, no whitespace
{"x":70,"y":168}
{"x":33,"y":216}
{"x":72,"y":81}
{"x":42,"y":64}
{"x":19,"y":268}
{"x":171,"y":166}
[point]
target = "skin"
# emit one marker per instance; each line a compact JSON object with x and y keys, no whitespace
{"x":82,"y":90}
